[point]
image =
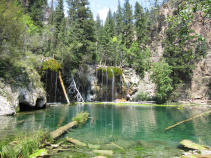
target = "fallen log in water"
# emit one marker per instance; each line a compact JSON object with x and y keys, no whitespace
{"x":57,"y":133}
{"x":79,"y":119}
{"x":207,"y":112}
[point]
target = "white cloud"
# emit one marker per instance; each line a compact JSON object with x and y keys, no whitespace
{"x":103,"y":13}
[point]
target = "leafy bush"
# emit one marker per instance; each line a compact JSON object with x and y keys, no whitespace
{"x":142,"y":96}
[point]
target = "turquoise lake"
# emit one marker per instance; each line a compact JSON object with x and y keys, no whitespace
{"x":140,"y":130}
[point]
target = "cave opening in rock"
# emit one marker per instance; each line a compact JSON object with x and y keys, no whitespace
{"x":26,"y":107}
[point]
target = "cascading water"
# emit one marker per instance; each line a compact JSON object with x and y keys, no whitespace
{"x":46,"y":76}
{"x":55,"y":88}
{"x":113,"y":84}
{"x":106,"y":84}
{"x":51,"y":85}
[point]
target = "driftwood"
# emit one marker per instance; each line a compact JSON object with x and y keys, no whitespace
{"x":207,"y":112}
{"x":55,"y":134}
{"x":76,"y":142}
{"x":73,"y":87}
{"x":104,"y":152}
{"x":64,"y":90}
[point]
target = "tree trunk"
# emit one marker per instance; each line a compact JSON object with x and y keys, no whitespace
{"x":64,"y":90}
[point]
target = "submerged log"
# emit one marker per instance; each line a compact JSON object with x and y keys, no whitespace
{"x":104,"y":152}
{"x":207,"y":112}
{"x":99,"y":156}
{"x":57,"y":133}
{"x":92,"y":146}
{"x":76,"y":142}
{"x":115,"y":146}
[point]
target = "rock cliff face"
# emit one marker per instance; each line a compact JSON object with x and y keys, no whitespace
{"x":104,"y":87}
{"x":29,"y":95}
{"x":200,"y":90}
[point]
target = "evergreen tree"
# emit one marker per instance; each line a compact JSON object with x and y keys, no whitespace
{"x":128,"y":30}
{"x":140,"y":24}
{"x":59,"y":15}
{"x":109,"y":24}
{"x":35,"y":8}
{"x":82,"y":30}
{"x":99,"y":29}
{"x":119,"y":19}
{"x":98,"y":25}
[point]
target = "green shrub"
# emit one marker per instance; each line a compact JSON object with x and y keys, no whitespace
{"x":142,"y":96}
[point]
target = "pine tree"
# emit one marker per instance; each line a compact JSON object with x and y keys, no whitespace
{"x":82,"y":30}
{"x":140,"y":24}
{"x":35,"y":9}
{"x":59,"y":15}
{"x":98,"y":25}
{"x":128,"y":30}
{"x":109,"y":24}
{"x":119,"y":20}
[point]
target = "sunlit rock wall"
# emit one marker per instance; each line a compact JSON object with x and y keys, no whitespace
{"x":109,"y":83}
{"x":22,"y":94}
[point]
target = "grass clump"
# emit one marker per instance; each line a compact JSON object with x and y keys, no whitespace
{"x":81,"y":118}
{"x":24,"y":143}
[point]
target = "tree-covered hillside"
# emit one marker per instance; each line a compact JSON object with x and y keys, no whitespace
{"x":30,"y":30}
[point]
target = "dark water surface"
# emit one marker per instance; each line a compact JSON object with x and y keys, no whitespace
{"x":135,"y":128}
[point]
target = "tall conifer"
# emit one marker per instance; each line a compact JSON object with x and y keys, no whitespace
{"x":140,"y":24}
{"x":128,"y":30}
{"x":119,"y":19}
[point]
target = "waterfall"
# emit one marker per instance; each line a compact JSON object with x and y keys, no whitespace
{"x":51,"y":85}
{"x":46,"y":76}
{"x":55,"y":88}
{"x":106,"y":84}
{"x":113,"y":84}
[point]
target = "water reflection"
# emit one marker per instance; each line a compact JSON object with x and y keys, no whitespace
{"x":110,"y":123}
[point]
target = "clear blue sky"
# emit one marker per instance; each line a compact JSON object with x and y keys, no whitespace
{"x":102,"y":6}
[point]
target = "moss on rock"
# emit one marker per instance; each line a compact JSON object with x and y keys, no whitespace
{"x":51,"y":64}
{"x":116,"y":71}
{"x":191,"y":145}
